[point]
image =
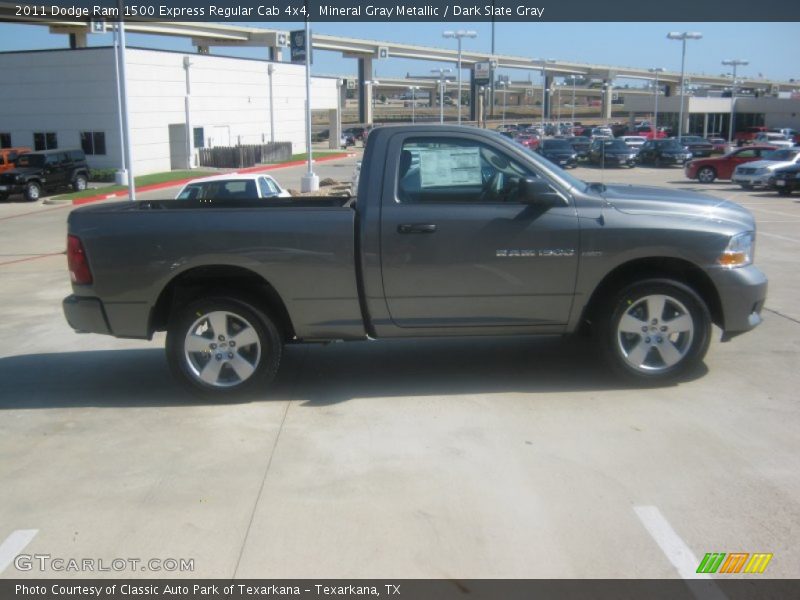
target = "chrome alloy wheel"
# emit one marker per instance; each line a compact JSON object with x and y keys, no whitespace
{"x":222,"y":349}
{"x":655,"y":333}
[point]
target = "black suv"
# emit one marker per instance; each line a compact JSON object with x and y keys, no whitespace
{"x":45,"y":171}
{"x":663,"y":152}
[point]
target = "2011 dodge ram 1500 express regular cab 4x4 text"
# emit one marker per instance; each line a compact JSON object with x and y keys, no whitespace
{"x":453,"y":232}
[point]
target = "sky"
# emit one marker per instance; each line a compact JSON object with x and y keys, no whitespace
{"x":768,"y":46}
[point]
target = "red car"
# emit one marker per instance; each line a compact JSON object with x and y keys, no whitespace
{"x":647,"y":132}
{"x":706,"y":170}
{"x":529,"y":141}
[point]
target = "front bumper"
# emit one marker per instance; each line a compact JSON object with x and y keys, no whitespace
{"x":85,"y":315}
{"x":754,"y":180}
{"x":742,"y":293}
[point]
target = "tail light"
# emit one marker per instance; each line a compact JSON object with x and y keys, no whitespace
{"x":79,"y":271}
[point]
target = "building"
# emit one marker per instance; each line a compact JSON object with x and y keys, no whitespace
{"x":68,"y":99}
{"x":707,"y":115}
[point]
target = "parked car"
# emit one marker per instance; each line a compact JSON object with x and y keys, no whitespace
{"x":757,"y":174}
{"x":581,"y":145}
{"x":8,"y":157}
{"x":634,"y":141}
{"x":45,"y":171}
{"x":663,"y":153}
{"x":786,"y":180}
{"x":559,"y":152}
{"x":719,"y":144}
{"x":509,"y":245}
{"x":748,"y":135}
{"x":778,"y":140}
{"x":612,"y":152}
{"x":529,"y":141}
{"x":357,"y":133}
{"x":706,"y":170}
{"x":602,"y":133}
{"x":233,"y":186}
{"x":646,"y":131}
{"x":699,"y":147}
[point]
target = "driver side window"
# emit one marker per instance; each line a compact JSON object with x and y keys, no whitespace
{"x":452,"y":170}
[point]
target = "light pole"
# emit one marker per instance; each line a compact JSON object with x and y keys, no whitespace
{"x":544,"y":62}
{"x":310,"y":181}
{"x":459,"y":35}
{"x":442,"y":85}
{"x":413,"y":89}
{"x":123,"y":86}
{"x":572,"y":80}
{"x":504,"y":85}
{"x":683,"y":36}
{"x":733,"y":62}
{"x":559,"y":85}
{"x":655,"y":71}
{"x":372,"y":83}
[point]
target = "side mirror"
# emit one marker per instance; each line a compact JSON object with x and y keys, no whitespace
{"x":538,"y":192}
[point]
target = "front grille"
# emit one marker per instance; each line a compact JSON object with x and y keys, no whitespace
{"x":747,"y":171}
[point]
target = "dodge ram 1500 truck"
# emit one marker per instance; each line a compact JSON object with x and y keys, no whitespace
{"x":454,"y":231}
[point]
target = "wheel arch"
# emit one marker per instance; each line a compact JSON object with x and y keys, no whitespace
{"x":211,"y":279}
{"x":640,"y":269}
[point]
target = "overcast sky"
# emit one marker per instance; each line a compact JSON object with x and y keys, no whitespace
{"x":772,"y":48}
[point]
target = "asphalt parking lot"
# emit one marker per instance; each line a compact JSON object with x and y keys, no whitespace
{"x":401,"y":459}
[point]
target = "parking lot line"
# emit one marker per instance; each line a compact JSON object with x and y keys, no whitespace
{"x":780,"y":237}
{"x":37,"y":256}
{"x":673,"y":547}
{"x":14,"y":544}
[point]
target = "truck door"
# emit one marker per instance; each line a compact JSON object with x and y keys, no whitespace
{"x":458,"y":249}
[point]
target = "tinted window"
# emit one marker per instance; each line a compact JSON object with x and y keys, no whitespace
{"x":31,"y":160}
{"x":749,"y":153}
{"x":199,"y":138}
{"x":93,"y":142}
{"x":557,"y":145}
{"x":780,"y":155}
{"x":5,"y":140}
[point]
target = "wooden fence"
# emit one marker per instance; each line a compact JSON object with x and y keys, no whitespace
{"x":237,"y":157}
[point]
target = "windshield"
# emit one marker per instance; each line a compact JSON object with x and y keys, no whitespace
{"x":692,"y":140}
{"x":615,"y":145}
{"x":671,"y":145}
{"x":557,"y":145}
{"x":572,"y":181}
{"x":232,"y":189}
{"x":30,"y":160}
{"x":781,"y":154}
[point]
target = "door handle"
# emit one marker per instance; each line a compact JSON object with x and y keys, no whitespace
{"x":416,"y":228}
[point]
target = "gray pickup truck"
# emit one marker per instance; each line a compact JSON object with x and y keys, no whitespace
{"x":454,"y":231}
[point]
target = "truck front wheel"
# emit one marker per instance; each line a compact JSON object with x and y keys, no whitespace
{"x":655,"y":330}
{"x":223,"y":346}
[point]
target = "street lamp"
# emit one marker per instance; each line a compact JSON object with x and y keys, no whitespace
{"x":559,"y":85}
{"x":655,"y":71}
{"x":683,"y":36}
{"x":544,"y":62}
{"x":459,"y":35}
{"x":572,"y":79}
{"x":504,"y":85}
{"x":413,"y":89}
{"x":733,"y":62}
{"x":442,"y":87}
{"x":372,"y":83}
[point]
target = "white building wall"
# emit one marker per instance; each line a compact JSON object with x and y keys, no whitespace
{"x":71,"y":91}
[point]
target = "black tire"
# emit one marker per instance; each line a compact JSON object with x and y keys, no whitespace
{"x":258,"y":360}
{"x":746,"y":186}
{"x":706,"y":175}
{"x":79,"y":183}
{"x":657,"y":347}
{"x":784,"y":191}
{"x":657,"y":162}
{"x":33,"y":191}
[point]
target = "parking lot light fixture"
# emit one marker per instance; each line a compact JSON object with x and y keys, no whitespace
{"x":682,"y":37}
{"x":413,"y":89}
{"x":733,"y":62}
{"x":459,"y":35}
{"x":655,"y":71}
{"x":442,"y":86}
{"x":544,"y":62}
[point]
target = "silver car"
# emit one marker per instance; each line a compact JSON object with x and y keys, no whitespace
{"x":758,"y":173}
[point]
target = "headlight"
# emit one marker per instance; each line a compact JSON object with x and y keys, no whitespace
{"x":739,"y":251}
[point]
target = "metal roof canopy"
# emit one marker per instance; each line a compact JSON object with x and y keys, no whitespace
{"x":212,"y":34}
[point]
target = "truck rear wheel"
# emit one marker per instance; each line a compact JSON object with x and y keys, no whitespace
{"x":655,"y":330}
{"x":32,"y":191}
{"x":223,"y":346}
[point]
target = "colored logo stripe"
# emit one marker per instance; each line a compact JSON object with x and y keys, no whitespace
{"x":758,"y":563}
{"x":711,"y":562}
{"x":734,"y":562}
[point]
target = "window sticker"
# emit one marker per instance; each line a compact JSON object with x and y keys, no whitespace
{"x":448,"y":167}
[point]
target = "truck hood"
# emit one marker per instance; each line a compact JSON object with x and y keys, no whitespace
{"x":645,"y":200}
